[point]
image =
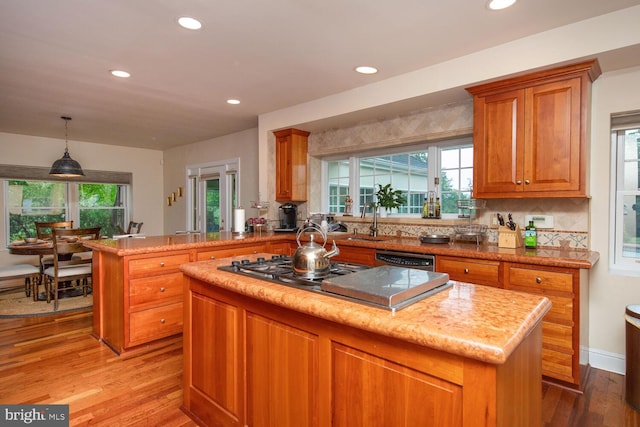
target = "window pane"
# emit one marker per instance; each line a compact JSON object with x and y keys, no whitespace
{"x":338,"y":181}
{"x":627,"y":226}
{"x":456,"y":176}
{"x":631,"y":227}
{"x":29,"y":202}
{"x":102,"y":205}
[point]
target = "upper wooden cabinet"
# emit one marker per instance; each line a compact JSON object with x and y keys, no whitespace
{"x":530,"y":134}
{"x":291,"y":165}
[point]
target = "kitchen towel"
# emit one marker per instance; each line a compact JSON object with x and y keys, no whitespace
{"x":238,"y":220}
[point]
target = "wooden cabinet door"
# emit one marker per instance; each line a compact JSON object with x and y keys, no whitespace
{"x":553,"y":149}
{"x":282,"y":374}
{"x":216,"y":380}
{"x":371,"y":391}
{"x":283,"y":168}
{"x":291,"y":165}
{"x":364,"y":256}
{"x":498,"y":143}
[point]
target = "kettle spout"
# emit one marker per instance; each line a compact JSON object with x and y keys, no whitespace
{"x":334,"y":251}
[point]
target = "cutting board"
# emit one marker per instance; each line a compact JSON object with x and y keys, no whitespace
{"x":386,"y":285}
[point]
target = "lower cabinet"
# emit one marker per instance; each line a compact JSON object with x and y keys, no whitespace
{"x":564,"y":328}
{"x":248,"y":363}
{"x":364,"y":256}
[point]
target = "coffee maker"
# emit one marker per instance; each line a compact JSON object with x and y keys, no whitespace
{"x":288,"y":217}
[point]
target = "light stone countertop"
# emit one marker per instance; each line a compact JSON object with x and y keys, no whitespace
{"x":478,"y":322}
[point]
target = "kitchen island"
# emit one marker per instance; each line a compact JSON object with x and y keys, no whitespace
{"x":260,"y":353}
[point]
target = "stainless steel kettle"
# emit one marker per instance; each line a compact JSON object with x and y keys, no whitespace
{"x":311,"y":260}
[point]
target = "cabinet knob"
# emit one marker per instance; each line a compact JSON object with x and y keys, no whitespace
{"x":162,"y":289}
{"x":466,"y":271}
{"x":538,"y":280}
{"x":212,"y":257}
{"x":162,"y":321}
{"x":518,"y":182}
{"x":162,"y":264}
{"x":526,"y":181}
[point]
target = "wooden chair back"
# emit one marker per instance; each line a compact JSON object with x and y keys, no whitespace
{"x":44,"y":230}
{"x":67,"y":242}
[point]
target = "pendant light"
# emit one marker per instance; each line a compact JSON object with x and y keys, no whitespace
{"x":66,"y":167}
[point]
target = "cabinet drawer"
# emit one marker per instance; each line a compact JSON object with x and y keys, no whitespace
{"x":470,"y":270}
{"x":157,"y":264}
{"x":561,"y":307}
{"x":224,"y":253}
{"x":156,"y":289}
{"x":541,"y":279}
{"x":557,"y":364}
{"x":558,"y":337}
{"x":155,"y":323}
{"x":356,"y":256}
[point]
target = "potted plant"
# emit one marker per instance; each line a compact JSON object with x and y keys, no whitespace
{"x":388,"y":198}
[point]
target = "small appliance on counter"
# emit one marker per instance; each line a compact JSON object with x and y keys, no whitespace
{"x":288,"y":216}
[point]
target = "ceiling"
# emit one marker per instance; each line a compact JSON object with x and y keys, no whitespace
{"x":55,"y":58}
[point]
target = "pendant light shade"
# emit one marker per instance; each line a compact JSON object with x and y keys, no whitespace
{"x":65,"y":166}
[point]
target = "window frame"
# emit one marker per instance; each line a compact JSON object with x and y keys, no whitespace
{"x":433,"y":150}
{"x":618,"y":263}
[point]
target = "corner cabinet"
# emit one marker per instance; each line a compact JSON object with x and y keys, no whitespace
{"x":291,"y":165}
{"x":530,"y":134}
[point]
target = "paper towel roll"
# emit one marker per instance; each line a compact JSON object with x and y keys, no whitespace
{"x":238,"y":220}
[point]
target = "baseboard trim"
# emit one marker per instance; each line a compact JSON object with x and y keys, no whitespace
{"x":607,"y":361}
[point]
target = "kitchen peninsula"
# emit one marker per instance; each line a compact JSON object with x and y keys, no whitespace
{"x":259,"y":353}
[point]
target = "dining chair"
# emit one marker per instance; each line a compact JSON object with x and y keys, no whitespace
{"x":76,"y":272}
{"x":44,"y":231}
{"x":11,"y":274}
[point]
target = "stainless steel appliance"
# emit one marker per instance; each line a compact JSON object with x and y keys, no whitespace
{"x":288,"y":216}
{"x":387,"y":287}
{"x":406,"y":259}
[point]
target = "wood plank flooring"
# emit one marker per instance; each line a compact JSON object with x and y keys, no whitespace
{"x":54,"y":359}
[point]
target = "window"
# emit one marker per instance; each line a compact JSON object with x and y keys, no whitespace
{"x":626,"y":204}
{"x":445,"y":168}
{"x":88,"y":205}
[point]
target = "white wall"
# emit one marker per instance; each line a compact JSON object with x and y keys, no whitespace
{"x":609,"y":294}
{"x":243,"y":145}
{"x":146,"y":166}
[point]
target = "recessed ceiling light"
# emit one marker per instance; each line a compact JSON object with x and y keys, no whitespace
{"x":189,"y":23}
{"x":366,"y":70}
{"x":499,"y":4}
{"x":120,"y":73}
{"x":233,"y":101}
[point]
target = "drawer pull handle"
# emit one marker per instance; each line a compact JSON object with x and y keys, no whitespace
{"x":162,"y":289}
{"x":212,"y":257}
{"x":162,"y":264}
{"x":162,"y":321}
{"x":538,"y":280}
{"x":466,"y":271}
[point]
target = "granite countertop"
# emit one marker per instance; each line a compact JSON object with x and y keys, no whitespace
{"x":478,"y":322}
{"x":567,"y":258}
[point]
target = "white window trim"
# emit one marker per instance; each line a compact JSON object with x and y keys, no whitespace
{"x":618,"y":265}
{"x":433,"y":151}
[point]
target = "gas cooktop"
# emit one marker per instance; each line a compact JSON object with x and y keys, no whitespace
{"x":386,"y":287}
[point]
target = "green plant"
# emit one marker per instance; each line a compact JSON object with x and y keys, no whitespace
{"x":389,"y":198}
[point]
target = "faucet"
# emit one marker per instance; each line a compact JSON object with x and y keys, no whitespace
{"x":374,"y":223}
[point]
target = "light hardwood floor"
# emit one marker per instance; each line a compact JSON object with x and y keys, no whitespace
{"x":54,"y":359}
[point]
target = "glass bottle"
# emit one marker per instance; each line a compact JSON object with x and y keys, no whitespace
{"x":530,"y":236}
{"x":425,"y":208}
{"x":437,"y":207}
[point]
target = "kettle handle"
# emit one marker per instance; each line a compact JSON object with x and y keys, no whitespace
{"x":315,"y":228}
